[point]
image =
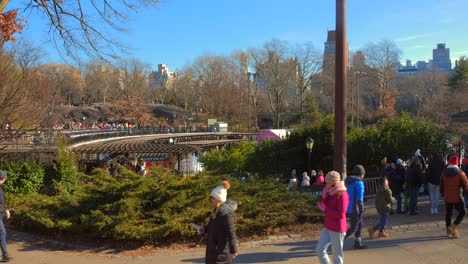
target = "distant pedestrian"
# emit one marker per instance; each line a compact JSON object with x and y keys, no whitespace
{"x":453,"y":183}
{"x":305,"y":179}
{"x":320,"y":179}
{"x":390,"y":173}
{"x":221,"y":244}
{"x":292,"y":186}
{"x":383,"y":204}
{"x":334,"y":203}
{"x":434,"y":172}
{"x":464,"y":168}
{"x":355,"y":211}
{"x":5,"y":215}
{"x":396,"y":183}
{"x":414,"y":178}
{"x":313,"y":176}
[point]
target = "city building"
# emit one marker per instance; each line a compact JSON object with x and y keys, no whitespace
{"x":422,"y":66}
{"x":408,"y":69}
{"x":441,"y":58}
{"x":162,"y":77}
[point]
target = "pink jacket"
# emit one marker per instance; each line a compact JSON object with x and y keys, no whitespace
{"x":320,"y":180}
{"x":335,"y":212}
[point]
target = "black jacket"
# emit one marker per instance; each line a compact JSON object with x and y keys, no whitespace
{"x":221,"y":235}
{"x":434,"y":171}
{"x":414,"y":176}
{"x":395,"y":182}
{"x":3,"y":206}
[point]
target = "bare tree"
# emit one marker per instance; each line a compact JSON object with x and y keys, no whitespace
{"x":309,"y":61}
{"x":82,"y":24}
{"x":383,"y":58}
{"x":276,"y":74}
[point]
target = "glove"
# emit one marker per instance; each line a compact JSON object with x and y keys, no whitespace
{"x":7,"y":214}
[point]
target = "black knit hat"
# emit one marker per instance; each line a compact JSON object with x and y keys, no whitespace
{"x":358,"y":170}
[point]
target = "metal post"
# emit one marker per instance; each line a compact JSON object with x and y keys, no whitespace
{"x":339,"y":151}
{"x":309,"y":153}
{"x":357,"y":100}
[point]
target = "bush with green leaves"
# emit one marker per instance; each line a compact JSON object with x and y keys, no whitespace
{"x":228,"y":161}
{"x":158,"y":209}
{"x":23,"y":177}
{"x":66,"y":172}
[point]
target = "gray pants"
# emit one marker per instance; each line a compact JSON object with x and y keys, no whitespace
{"x":434,"y":193}
{"x":334,"y":239}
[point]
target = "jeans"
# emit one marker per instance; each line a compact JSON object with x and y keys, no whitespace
{"x":3,"y":245}
{"x":466,"y":199}
{"x":383,"y":221}
{"x":335,"y":239}
{"x":356,"y":225}
{"x":434,"y":193}
{"x":398,"y":198}
{"x":413,"y":193}
{"x":460,"y":207}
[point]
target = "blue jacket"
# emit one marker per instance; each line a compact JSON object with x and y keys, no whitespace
{"x":355,"y":187}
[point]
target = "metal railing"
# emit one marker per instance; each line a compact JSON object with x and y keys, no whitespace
{"x":371,"y":186}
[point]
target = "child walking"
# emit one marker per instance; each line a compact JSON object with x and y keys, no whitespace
{"x":383,"y":204}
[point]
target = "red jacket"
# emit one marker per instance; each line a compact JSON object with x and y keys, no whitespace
{"x":335,"y":212}
{"x":452,"y":180}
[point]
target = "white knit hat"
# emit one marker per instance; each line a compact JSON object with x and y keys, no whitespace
{"x":220,"y":192}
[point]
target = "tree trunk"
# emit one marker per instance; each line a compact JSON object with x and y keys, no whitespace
{"x":3,"y":5}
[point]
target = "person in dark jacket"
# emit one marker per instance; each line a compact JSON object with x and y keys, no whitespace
{"x":5,"y":213}
{"x":355,"y":211}
{"x":453,"y":183}
{"x":221,"y":242}
{"x":434,"y":171}
{"x":414,"y":179}
{"x":395,"y":184}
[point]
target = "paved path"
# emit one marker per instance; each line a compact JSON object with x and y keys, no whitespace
{"x":414,"y":239}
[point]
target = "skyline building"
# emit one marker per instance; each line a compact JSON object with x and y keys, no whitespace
{"x":441,"y":58}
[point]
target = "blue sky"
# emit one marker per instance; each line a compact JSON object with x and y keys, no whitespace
{"x":177,"y":31}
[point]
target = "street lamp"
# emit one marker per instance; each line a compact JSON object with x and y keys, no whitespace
{"x":309,"y":145}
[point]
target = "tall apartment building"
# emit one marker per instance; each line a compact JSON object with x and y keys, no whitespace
{"x":441,"y":58}
{"x":162,"y":77}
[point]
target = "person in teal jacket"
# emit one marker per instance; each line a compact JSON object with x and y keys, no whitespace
{"x":355,"y":211}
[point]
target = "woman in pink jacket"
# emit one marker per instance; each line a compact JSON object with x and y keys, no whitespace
{"x":334,"y":203}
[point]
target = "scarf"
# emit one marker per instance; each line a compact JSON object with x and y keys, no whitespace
{"x":338,"y":188}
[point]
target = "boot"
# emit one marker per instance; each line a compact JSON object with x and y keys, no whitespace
{"x":449,"y":232}
{"x":383,"y":233}
{"x":6,"y":258}
{"x":359,"y":245}
{"x":371,"y":231}
{"x":455,"y":231}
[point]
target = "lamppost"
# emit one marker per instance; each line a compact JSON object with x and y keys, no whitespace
{"x":309,"y":145}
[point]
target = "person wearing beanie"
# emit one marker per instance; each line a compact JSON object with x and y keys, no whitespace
{"x":355,"y":211}
{"x":396,"y":183}
{"x":305,"y":179}
{"x":334,"y":204}
{"x":383,"y":204}
{"x":313,"y":176}
{"x":453,"y":179}
{"x":5,"y":214}
{"x":221,"y":242}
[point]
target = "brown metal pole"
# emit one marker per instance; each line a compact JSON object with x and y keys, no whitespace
{"x":339,"y":151}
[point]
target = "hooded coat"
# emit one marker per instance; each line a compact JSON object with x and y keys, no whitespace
{"x":434,"y":171}
{"x":221,"y":239}
{"x":355,"y":187}
{"x":453,"y":183}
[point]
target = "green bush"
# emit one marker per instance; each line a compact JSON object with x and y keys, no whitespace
{"x":66,"y":172}
{"x":157,"y":210}
{"x":228,"y":161}
{"x":23,"y":177}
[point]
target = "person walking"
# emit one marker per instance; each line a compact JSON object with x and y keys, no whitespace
{"x":355,"y":211}
{"x":383,"y":204}
{"x":221,"y":242}
{"x":401,"y":172}
{"x":305,"y":179}
{"x":413,"y":183}
{"x":334,"y":203}
{"x":453,"y":183}
{"x":434,"y":172}
{"x":320,"y":179}
{"x":464,"y":168}
{"x":5,"y":214}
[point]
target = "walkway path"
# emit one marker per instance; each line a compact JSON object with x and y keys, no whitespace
{"x":414,"y":239}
